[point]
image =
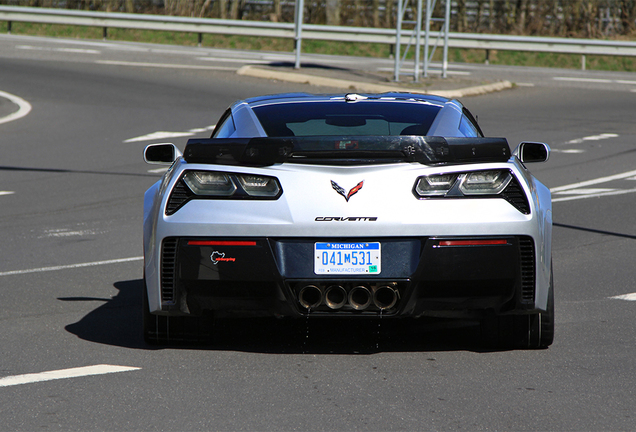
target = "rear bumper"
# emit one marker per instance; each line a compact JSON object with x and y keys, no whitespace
{"x":435,"y":276}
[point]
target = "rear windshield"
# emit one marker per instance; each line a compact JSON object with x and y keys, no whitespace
{"x":340,"y":118}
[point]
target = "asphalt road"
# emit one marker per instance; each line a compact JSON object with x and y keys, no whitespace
{"x":71,"y":185}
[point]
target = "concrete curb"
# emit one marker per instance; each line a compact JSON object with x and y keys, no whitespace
{"x":367,"y":87}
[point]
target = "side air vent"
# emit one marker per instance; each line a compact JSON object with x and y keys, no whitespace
{"x":178,"y":197}
{"x":514,"y":195}
{"x":527,"y":256}
{"x":168,"y":270}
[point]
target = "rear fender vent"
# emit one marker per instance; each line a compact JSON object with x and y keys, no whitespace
{"x":515,"y":195}
{"x":168,"y":270}
{"x":179,"y":196}
{"x":528,"y":270}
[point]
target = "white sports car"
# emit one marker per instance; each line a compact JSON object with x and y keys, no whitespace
{"x":360,"y":206}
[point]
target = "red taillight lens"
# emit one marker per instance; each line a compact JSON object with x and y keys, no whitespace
{"x":488,"y":242}
{"x":220,"y":243}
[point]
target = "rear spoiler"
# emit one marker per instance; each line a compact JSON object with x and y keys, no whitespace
{"x":351,"y":150}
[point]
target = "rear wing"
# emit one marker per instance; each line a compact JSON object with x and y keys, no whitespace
{"x":350,"y":150}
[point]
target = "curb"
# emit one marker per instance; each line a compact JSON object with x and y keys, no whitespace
{"x":367,"y":87}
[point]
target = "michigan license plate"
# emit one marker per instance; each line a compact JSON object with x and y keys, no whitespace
{"x":347,"y":258}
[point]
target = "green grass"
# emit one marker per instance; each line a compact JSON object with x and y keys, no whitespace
{"x":518,"y":58}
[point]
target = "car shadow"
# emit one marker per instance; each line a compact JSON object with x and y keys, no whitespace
{"x":117,"y":321}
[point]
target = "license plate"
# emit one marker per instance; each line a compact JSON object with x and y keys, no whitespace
{"x":347,"y":258}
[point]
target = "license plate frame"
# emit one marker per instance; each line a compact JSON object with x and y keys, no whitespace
{"x":347,"y":258}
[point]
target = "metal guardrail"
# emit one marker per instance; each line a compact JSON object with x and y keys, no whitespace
{"x":202,"y":26}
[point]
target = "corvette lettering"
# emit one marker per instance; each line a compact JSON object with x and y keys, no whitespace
{"x":345,"y":219}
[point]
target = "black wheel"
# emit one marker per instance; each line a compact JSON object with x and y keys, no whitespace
{"x":170,"y":330}
{"x":521,"y":331}
{"x":547,"y":318}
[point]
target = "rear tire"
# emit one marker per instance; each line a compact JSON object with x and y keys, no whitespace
{"x":172,"y":330}
{"x":521,"y":331}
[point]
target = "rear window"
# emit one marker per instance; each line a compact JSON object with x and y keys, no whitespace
{"x":340,"y":118}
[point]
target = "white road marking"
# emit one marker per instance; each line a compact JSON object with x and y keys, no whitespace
{"x":594,"y":181}
{"x":24,"y":107}
{"x":596,"y":80}
{"x":233,"y":60}
{"x":70,"y":266}
{"x":435,"y":71}
{"x":628,"y":297}
{"x":63,"y":374}
{"x":64,"y":232}
{"x":159,"y":135}
{"x":598,"y":195}
{"x":164,"y":65}
{"x":70,"y":50}
{"x":590,"y":80}
{"x":158,"y":170}
{"x":568,"y":151}
{"x":518,"y":84}
{"x":6,"y":192}
{"x":593,"y":138}
{"x":579,"y":190}
{"x":585,"y":191}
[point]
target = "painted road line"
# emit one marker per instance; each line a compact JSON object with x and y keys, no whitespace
{"x":6,"y":192}
{"x":628,"y":297}
{"x":69,"y":50}
{"x":585,"y":191}
{"x":24,"y":107}
{"x":70,"y":266}
{"x":408,"y":71}
{"x":593,"y":138}
{"x":590,"y":80}
{"x":596,"y":195}
{"x":164,"y":65}
{"x":234,"y":60}
{"x":594,"y":181}
{"x":595,"y":80}
{"x":63,"y":374}
{"x":159,"y":135}
{"x":158,"y":170}
{"x":567,"y":151}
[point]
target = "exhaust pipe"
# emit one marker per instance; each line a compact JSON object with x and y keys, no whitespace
{"x":335,"y":297}
{"x":360,"y":298}
{"x":310,"y":297}
{"x":385,"y":297}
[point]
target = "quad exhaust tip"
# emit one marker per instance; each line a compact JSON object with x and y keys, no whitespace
{"x":335,"y":297}
{"x":385,"y":297}
{"x":310,"y":297}
{"x":359,"y":298}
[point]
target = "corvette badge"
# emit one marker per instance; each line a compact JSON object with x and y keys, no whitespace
{"x":344,"y":193}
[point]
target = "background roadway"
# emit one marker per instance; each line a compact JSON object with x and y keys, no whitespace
{"x":73,"y":180}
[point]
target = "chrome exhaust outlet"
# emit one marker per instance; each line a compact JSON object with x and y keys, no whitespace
{"x":310,"y":297}
{"x":385,"y":297}
{"x":335,"y":297}
{"x":360,"y":298}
